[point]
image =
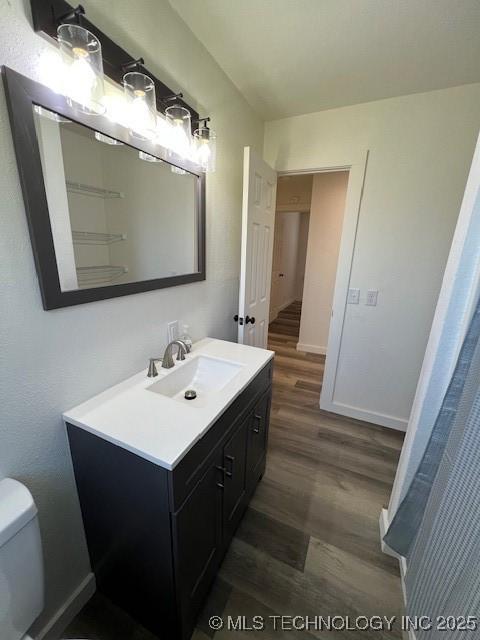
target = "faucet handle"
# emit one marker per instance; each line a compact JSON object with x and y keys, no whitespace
{"x":152,"y":369}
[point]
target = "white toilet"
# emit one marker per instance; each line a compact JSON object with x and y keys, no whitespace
{"x":21,"y":561}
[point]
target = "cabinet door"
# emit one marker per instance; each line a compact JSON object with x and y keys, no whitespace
{"x":257,"y":438}
{"x":197,"y":529}
{"x":234,"y":469}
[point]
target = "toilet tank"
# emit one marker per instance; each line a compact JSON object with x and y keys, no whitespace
{"x":21,"y":562}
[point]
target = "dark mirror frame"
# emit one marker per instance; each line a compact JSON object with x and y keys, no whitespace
{"x":22,"y":94}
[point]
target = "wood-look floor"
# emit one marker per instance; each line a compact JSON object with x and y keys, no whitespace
{"x":309,"y":542}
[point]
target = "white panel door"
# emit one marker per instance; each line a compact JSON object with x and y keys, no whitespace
{"x":258,"y":222}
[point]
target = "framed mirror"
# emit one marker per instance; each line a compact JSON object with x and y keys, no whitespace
{"x":109,"y":214}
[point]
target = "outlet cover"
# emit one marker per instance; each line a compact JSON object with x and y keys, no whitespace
{"x":353,"y":296}
{"x":372,"y":297}
{"x":172,"y":330}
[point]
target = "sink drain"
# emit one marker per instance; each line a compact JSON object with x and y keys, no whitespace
{"x":190,"y":394}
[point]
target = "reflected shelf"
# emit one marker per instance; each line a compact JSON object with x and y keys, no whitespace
{"x":91,"y":237}
{"x":91,"y":190}
{"x":100,"y":274}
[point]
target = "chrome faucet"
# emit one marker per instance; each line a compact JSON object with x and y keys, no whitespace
{"x":167,"y":361}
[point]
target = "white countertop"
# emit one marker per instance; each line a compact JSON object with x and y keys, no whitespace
{"x":158,"y":428}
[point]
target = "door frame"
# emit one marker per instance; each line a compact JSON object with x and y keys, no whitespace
{"x":356,"y":164}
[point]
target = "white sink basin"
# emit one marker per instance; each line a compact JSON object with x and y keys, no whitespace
{"x":202,"y":374}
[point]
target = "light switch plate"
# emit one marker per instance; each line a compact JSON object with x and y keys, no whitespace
{"x":172,"y":330}
{"x":372,"y":297}
{"x":353,"y":296}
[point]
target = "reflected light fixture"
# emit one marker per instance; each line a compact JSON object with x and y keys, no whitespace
{"x":139,"y":91}
{"x":181,"y":130}
{"x":205,"y":145}
{"x":148,"y":158}
{"x":101,"y":137}
{"x":83,"y":76}
{"x":50,"y":115}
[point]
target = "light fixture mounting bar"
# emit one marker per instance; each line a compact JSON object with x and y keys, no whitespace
{"x":74,"y":14}
{"x":46,"y":15}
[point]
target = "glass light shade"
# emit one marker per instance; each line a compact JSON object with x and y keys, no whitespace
{"x":181,"y":133}
{"x":101,"y":137}
{"x":139,"y":91}
{"x":205,"y":143}
{"x":148,"y":158}
{"x":83,"y":76}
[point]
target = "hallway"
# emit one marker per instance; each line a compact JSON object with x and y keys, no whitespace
{"x":309,"y":544}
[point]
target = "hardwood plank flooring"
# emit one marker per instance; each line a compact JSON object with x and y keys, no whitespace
{"x":309,"y":542}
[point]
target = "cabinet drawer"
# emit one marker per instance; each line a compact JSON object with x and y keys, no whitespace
{"x":189,"y":470}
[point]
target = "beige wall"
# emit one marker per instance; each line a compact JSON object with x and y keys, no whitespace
{"x":294,"y":193}
{"x":420,"y":150}
{"x":326,"y":218}
{"x":60,"y":358}
{"x":302,"y":253}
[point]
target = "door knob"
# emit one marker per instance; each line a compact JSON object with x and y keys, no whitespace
{"x":280,"y":275}
{"x":238,"y":319}
{"x":248,"y":319}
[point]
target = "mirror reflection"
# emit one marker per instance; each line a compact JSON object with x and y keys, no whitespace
{"x":117,"y":215}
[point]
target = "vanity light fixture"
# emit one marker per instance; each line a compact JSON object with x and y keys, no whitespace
{"x":137,"y":100}
{"x":205,"y":145}
{"x":139,"y":91}
{"x":101,"y":137}
{"x":180,"y":121}
{"x":83,"y":63}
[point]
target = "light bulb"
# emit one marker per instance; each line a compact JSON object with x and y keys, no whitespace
{"x":80,"y":80}
{"x":180,"y":121}
{"x":204,"y":153}
{"x":205,"y":148}
{"x":139,"y":91}
{"x":83,"y":78}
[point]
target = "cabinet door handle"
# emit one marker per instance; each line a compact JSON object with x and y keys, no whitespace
{"x":256,"y":429}
{"x":231,"y":459}
{"x":224,"y":471}
{"x":220,"y":485}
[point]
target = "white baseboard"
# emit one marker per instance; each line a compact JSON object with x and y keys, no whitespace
{"x":383,"y":525}
{"x":67,"y":612}
{"x":311,"y":348}
{"x":381,"y":419}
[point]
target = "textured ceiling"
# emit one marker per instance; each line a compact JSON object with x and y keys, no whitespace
{"x":289,"y":57}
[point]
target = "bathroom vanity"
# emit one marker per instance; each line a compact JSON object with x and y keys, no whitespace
{"x":163,"y":481}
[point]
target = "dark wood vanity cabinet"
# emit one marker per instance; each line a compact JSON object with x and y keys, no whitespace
{"x":156,"y":537}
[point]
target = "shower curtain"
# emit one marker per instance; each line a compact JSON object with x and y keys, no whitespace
{"x":458,"y":415}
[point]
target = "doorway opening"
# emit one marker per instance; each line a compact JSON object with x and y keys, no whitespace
{"x":309,"y":219}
